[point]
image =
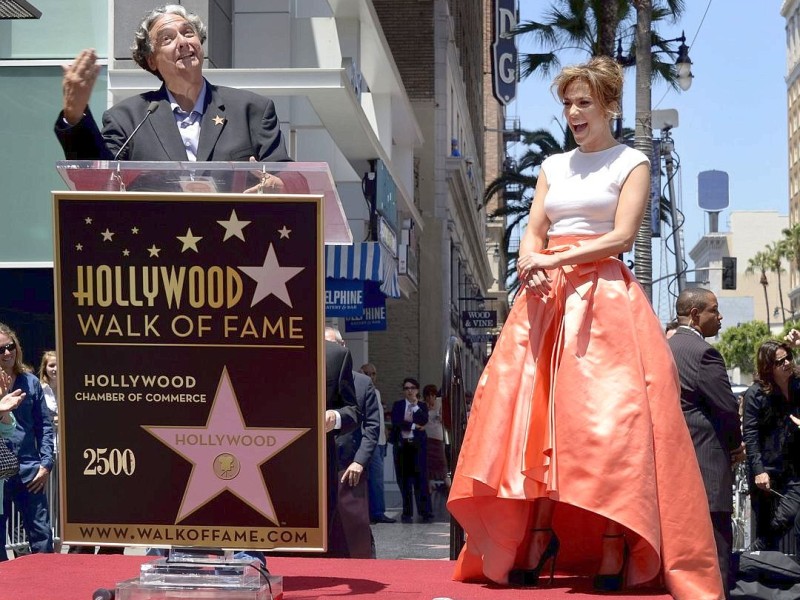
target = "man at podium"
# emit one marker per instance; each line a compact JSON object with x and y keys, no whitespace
{"x":186,"y":119}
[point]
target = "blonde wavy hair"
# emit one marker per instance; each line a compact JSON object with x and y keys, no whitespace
{"x":604,"y":77}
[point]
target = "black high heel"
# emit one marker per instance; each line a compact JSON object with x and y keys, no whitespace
{"x":530,"y":577}
{"x":614,"y":582}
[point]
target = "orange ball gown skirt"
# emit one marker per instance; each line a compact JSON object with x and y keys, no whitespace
{"x":580,"y":403}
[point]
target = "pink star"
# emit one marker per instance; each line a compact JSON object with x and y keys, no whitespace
{"x":271,"y":278}
{"x":226,"y":454}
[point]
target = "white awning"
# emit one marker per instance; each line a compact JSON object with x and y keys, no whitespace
{"x":367,"y":261}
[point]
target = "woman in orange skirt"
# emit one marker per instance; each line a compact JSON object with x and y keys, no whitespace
{"x":577,"y":452}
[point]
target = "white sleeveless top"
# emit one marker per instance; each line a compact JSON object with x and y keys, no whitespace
{"x":583,"y":188}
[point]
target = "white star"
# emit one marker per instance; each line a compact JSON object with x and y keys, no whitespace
{"x":88,"y":220}
{"x":107,"y":235}
{"x":78,"y":247}
{"x":126,"y":252}
{"x":284,"y":232}
{"x":234,"y":227}
{"x":271,"y":279}
{"x":189,"y":241}
{"x":135,"y":230}
{"x":153,"y":251}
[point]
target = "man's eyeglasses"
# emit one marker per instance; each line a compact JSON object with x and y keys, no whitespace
{"x":409,"y":388}
{"x":779,"y":362}
{"x":10,"y":346}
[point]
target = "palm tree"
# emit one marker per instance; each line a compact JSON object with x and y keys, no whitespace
{"x":593,"y":26}
{"x":517,"y":183}
{"x":791,"y":245}
{"x":774,"y":253}
{"x":761,"y":262}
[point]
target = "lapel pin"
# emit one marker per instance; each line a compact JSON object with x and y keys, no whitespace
{"x":219,"y":120}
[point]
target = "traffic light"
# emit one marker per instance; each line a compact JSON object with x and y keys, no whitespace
{"x":728,"y":272}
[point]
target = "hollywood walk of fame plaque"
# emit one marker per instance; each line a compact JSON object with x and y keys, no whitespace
{"x":191,"y":350}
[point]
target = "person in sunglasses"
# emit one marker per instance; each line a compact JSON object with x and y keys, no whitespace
{"x":772,"y":439}
{"x":32,"y":442}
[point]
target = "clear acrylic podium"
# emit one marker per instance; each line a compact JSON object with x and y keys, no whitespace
{"x":211,"y":177}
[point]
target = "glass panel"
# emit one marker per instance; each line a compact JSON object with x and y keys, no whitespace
{"x":65,"y":28}
{"x":32,"y":100}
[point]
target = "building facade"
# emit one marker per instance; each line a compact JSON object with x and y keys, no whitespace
{"x":377,"y":89}
{"x":790,"y":10}
{"x":749,"y":232}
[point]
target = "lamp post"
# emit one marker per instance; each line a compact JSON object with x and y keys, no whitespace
{"x":683,"y":67}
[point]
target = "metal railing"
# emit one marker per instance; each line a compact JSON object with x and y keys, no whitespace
{"x":453,"y":398}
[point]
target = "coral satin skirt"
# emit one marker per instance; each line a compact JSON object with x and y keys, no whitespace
{"x":580,"y":403}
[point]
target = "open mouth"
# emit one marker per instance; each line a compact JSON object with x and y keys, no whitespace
{"x":579,"y":127}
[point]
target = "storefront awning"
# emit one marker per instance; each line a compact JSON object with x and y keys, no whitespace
{"x":366,"y":261}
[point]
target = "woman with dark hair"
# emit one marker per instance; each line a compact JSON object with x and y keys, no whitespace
{"x":409,"y":417}
{"x":576,"y":452}
{"x":772,"y":439}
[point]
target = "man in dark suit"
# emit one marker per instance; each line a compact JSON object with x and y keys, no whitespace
{"x":191,"y":119}
{"x":341,"y":414}
{"x":352,"y":536}
{"x":710,"y":410}
{"x":409,"y":417}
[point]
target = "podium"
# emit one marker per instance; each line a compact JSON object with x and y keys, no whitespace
{"x":190,"y":318}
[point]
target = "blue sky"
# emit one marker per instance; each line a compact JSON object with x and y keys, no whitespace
{"x":733,"y":118}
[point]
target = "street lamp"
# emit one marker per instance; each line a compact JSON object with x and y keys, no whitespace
{"x":683,"y":68}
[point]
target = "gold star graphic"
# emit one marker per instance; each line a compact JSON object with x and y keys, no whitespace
{"x":189,"y":241}
{"x":78,"y":247}
{"x":284,"y":232}
{"x":88,"y":220}
{"x":153,"y":251}
{"x":126,"y":252}
{"x":233,"y":227}
{"x":219,"y":120}
{"x":107,"y":235}
{"x":134,"y":230}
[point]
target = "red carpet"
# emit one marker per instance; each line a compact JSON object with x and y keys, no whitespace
{"x":76,"y":576}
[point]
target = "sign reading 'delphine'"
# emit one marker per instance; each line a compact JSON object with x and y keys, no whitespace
{"x":190,"y":334}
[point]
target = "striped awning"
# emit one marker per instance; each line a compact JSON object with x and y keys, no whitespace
{"x":365,"y":261}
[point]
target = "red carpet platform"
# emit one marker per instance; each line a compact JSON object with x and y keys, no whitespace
{"x":76,"y":576}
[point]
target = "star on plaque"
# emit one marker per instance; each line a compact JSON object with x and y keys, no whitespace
{"x":218,"y":120}
{"x":126,"y":252}
{"x":226,"y":455}
{"x":234,"y":227}
{"x":88,"y":220}
{"x":271,"y":278}
{"x":189,"y":241}
{"x":153,"y":251}
{"x":134,"y":230}
{"x":107,"y":235}
{"x":78,"y":247}
{"x":284,"y":232}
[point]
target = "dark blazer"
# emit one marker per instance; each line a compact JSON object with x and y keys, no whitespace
{"x":236,"y":125}
{"x":773,"y":441}
{"x":32,"y":440}
{"x":340,"y":396}
{"x":359,"y":444}
{"x":400,"y":424}
{"x":711,"y":413}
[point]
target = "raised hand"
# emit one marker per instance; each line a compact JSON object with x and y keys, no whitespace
{"x":77,"y":85}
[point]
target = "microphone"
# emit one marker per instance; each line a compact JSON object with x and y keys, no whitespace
{"x":103,"y":594}
{"x":151,"y":108}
